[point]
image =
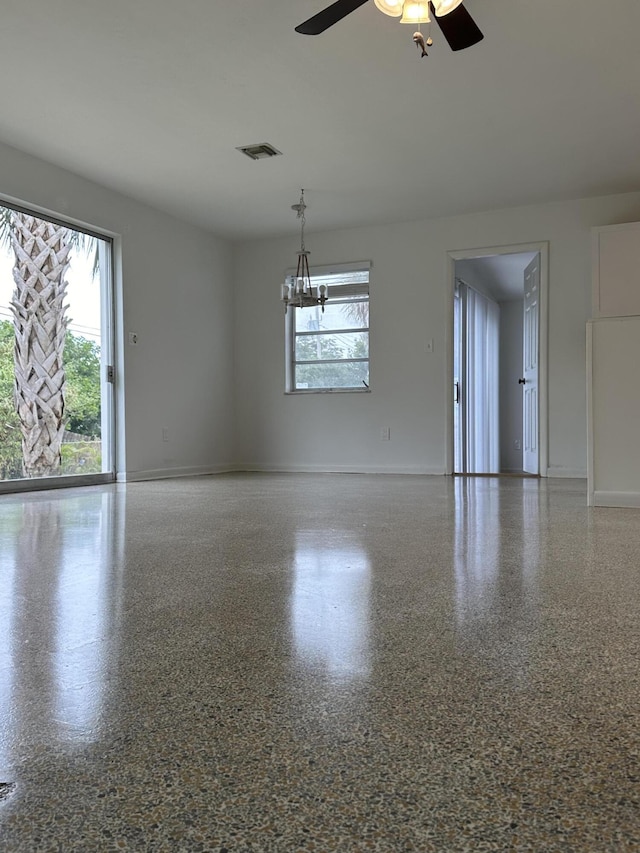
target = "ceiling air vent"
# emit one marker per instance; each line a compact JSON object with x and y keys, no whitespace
{"x":259,"y":151}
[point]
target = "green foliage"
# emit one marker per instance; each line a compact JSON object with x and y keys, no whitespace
{"x":10,"y":437}
{"x":82,"y":398}
{"x":82,"y":410}
{"x":347,"y":374}
{"x":81,"y":457}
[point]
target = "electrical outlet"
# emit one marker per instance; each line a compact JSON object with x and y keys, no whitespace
{"x":385,"y":434}
{"x":133,"y":339}
{"x":517,"y":444}
{"x":165,"y":433}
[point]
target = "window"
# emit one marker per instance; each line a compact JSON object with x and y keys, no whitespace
{"x":329,"y":351}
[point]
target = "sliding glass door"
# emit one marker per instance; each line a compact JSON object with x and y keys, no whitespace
{"x":56,"y":353}
{"x":476,"y":415}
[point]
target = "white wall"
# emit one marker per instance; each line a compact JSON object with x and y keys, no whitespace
{"x":176,"y":294}
{"x":615,"y":410}
{"x":409,"y":293}
{"x":511,"y":324}
{"x":613,"y":382}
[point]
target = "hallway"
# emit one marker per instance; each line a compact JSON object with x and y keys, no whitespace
{"x":326,"y":662}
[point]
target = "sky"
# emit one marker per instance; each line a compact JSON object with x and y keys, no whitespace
{"x":83,"y":293}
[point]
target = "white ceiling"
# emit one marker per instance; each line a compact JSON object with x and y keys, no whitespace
{"x":501,"y":276}
{"x":151,"y":97}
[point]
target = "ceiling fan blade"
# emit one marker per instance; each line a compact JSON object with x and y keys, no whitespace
{"x":459,"y":28}
{"x":329,"y":16}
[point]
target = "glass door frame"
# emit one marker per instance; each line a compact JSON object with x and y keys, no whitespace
{"x":108,"y":371}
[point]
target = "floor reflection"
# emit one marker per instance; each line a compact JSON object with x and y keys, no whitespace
{"x":82,"y":615}
{"x":56,"y":566}
{"x":330,"y":605}
{"x":10,"y":521}
{"x":497,"y":557}
{"x":476,"y":544}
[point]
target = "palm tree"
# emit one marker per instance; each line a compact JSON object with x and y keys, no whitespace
{"x":42,"y":253}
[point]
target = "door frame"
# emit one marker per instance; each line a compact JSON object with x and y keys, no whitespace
{"x":543,"y":343}
{"x":111,"y":307}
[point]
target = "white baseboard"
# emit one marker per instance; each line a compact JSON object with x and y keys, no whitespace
{"x":341,"y":469}
{"x":613,"y":499}
{"x":169,"y":473}
{"x":195,"y":471}
{"x":567,"y":473}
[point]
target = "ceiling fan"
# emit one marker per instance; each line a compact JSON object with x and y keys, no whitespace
{"x":457,"y":25}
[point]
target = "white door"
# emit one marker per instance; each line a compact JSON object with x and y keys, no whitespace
{"x":529,"y":380}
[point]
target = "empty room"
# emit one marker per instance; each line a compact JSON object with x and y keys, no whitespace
{"x":319,"y":485}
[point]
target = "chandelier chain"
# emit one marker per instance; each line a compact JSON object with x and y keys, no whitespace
{"x":303,"y":221}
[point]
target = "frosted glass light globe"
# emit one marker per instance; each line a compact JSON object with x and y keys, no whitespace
{"x":415,"y":12}
{"x":393,"y":8}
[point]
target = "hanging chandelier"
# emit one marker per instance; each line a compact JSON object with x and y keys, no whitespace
{"x":297,"y":289}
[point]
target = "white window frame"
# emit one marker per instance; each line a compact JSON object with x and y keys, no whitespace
{"x":335,"y":292}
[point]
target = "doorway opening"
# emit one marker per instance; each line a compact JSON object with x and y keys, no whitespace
{"x":496,"y":369}
{"x":56,"y":353}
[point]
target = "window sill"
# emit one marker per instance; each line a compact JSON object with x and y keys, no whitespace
{"x":302,"y":391}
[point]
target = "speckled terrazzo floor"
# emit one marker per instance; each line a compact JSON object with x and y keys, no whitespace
{"x":319,"y":663}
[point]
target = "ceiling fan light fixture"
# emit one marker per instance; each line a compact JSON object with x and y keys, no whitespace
{"x":393,"y":8}
{"x":415,"y":12}
{"x":459,"y":29}
{"x":443,"y":7}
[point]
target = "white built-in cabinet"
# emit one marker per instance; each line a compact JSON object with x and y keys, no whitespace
{"x":613,"y":368}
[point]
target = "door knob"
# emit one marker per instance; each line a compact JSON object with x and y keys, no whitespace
{"x":522,"y":381}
